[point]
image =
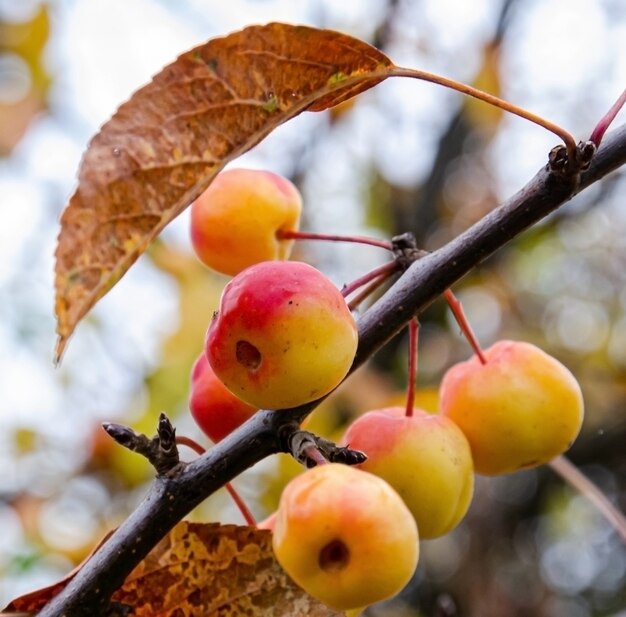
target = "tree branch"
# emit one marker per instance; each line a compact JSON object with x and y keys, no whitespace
{"x":170,"y":499}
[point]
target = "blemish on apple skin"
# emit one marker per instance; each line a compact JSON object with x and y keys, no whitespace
{"x":334,"y":557}
{"x":248,"y":355}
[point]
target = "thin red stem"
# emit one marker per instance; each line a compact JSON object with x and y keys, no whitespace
{"x":414,"y":327}
{"x":181,"y":440}
{"x":568,"y":139}
{"x":285,"y":234}
{"x":367,"y":291}
{"x":241,"y":504}
{"x":385,"y":270}
{"x":459,"y":314}
{"x":315,"y":455}
{"x":606,"y":120}
{"x":575,"y":478}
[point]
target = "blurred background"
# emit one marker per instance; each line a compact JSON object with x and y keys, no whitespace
{"x":406,"y":156}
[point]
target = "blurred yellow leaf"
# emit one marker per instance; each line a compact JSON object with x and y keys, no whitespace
{"x":485,"y":117}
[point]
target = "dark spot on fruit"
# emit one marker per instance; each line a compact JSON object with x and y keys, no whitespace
{"x":248,"y":355}
{"x":334,"y":557}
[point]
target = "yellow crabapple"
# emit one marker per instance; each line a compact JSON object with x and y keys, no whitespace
{"x":235,"y":222}
{"x":519,"y":410}
{"x":345,"y":536}
{"x":425,"y":457}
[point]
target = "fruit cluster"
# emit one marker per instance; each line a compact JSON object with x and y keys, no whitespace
{"x":283,"y":336}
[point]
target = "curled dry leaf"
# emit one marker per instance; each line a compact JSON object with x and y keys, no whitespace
{"x":211,"y":569}
{"x":207,"y":570}
{"x":163,"y":147}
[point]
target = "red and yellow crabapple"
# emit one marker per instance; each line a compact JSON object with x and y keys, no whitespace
{"x":345,"y":536}
{"x":425,"y":457}
{"x":519,"y":410}
{"x":235,"y":222}
{"x":216,"y":410}
{"x":283,"y":335}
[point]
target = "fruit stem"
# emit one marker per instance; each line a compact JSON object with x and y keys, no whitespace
{"x":575,"y":478}
{"x":459,"y":314}
{"x":384,"y":271}
{"x":366,"y":292}
{"x":414,"y":327}
{"x":568,"y":139}
{"x":289,"y":234}
{"x":602,"y":126}
{"x":181,"y":440}
{"x":313,"y":454}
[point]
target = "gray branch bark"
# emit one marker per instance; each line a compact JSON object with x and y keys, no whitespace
{"x":170,"y":499}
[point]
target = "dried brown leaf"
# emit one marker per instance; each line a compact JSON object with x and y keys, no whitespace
{"x":204,"y":570}
{"x":211,"y":569}
{"x":163,"y":147}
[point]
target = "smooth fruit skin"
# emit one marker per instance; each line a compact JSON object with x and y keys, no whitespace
{"x":425,"y":457}
{"x":283,"y":335}
{"x":216,"y":410}
{"x":519,"y":410}
{"x":345,"y":536}
{"x":234,"y":222}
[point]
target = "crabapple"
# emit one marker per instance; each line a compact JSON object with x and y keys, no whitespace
{"x":519,"y":410}
{"x":283,"y":335}
{"x":425,"y":457}
{"x":216,"y":410}
{"x":234,"y":223}
{"x":345,"y":536}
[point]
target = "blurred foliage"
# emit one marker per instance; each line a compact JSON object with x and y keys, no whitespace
{"x":24,"y":79}
{"x":529,"y":546}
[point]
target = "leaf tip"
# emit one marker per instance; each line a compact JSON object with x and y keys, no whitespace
{"x":59,"y":350}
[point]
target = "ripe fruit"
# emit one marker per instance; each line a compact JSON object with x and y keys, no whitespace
{"x":283,"y":335}
{"x":425,"y":457}
{"x":216,"y":410}
{"x":520,"y":409}
{"x":235,"y":221}
{"x":345,"y":536}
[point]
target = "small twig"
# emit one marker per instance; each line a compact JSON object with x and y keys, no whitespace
{"x":575,"y":478}
{"x":310,"y":450}
{"x":160,"y":450}
{"x":404,"y":248}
